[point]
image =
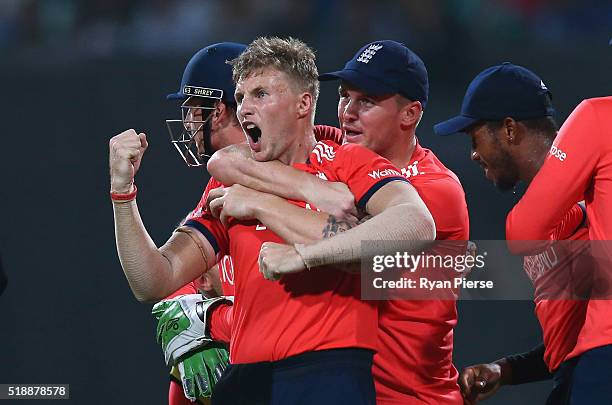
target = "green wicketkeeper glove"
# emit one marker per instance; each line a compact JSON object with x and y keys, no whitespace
{"x":181,"y":324}
{"x":201,"y":370}
{"x":181,"y":331}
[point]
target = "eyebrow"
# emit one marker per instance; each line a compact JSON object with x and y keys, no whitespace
{"x":256,"y":89}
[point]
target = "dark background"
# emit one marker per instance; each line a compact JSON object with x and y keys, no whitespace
{"x":75,"y":73}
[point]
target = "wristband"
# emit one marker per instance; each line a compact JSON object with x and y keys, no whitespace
{"x":117,"y":197}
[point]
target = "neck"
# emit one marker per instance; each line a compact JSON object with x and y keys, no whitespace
{"x":299,"y":150}
{"x":532,"y":160}
{"x":400,"y":152}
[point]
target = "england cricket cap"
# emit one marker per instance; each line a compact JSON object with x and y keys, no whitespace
{"x":498,"y":92}
{"x":385,"y":67}
{"x":208,"y":75}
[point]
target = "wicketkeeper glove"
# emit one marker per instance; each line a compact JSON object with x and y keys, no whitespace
{"x":181,"y":324}
{"x":182,"y":333}
{"x":199,"y":371}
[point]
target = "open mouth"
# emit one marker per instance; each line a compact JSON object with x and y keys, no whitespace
{"x":351,"y":133}
{"x":252,"y":131}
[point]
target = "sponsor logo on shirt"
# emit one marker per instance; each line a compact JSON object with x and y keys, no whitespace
{"x":379,"y":174}
{"x":411,"y":170}
{"x":323,"y":151}
{"x":558,"y":153}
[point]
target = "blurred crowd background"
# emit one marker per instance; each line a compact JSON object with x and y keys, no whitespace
{"x":76,"y":72}
{"x":81,"y":30}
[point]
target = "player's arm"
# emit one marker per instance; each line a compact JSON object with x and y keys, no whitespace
{"x":292,"y":223}
{"x":562,"y":180}
{"x":153,"y":273}
{"x":235,"y":165}
{"x":398,"y":214}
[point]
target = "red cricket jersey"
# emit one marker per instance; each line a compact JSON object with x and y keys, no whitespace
{"x":414,"y":360}
{"x":222,"y":320}
{"x":578,"y":166}
{"x":554,"y":273}
{"x":309,"y":311}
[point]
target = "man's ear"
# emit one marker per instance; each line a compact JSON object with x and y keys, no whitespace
{"x":511,"y":133}
{"x":305,"y":105}
{"x":410,"y":113}
{"x":218,"y":114}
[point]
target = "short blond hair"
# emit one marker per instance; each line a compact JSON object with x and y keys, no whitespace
{"x":290,"y":56}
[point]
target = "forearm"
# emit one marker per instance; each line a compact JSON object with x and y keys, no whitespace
{"x":234,"y":165}
{"x":292,"y":223}
{"x":409,"y":223}
{"x":525,"y":367}
{"x":152,"y":273}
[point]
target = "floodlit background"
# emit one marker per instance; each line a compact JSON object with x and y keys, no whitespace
{"x":75,"y":73}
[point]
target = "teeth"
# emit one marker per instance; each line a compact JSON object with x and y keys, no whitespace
{"x":250,"y":126}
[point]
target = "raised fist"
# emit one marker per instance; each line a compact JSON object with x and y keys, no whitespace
{"x":126,"y":150}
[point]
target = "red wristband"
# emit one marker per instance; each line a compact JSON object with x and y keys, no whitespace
{"x":124,"y":197}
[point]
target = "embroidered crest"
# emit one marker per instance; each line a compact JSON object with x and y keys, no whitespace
{"x":369,"y":53}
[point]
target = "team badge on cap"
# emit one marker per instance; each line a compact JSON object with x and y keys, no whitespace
{"x":369,"y":53}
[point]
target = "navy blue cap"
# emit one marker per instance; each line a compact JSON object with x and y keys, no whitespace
{"x":498,"y":92}
{"x":208,"y":75}
{"x":385,"y":67}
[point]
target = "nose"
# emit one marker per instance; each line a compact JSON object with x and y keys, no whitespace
{"x":350,"y":111}
{"x":245,"y":108}
{"x":189,"y":119}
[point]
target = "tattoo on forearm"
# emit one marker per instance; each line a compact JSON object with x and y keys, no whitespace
{"x":335,"y":226}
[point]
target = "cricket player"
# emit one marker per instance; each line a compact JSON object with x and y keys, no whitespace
{"x":507,"y":112}
{"x":314,"y":324}
{"x":208,"y":123}
{"x":383,"y":91}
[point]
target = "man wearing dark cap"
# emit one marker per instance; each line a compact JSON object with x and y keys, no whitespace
{"x":208,"y":123}
{"x":383,"y":91}
{"x":507,"y":111}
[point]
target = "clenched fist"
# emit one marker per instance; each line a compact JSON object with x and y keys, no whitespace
{"x":126,"y":150}
{"x":276,"y":260}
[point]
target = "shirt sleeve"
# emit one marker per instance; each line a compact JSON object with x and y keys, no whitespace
{"x":186,"y":289}
{"x":562,"y":180}
{"x":363,"y":171}
{"x":210,"y":227}
{"x":328,"y":133}
{"x":445,"y":200}
{"x":220,"y":323}
{"x":573,"y":220}
{"x":529,"y":366}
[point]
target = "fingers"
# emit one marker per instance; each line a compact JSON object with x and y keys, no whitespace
{"x":352,"y":218}
{"x":224,"y":217}
{"x":214,"y":194}
{"x":264,"y":262}
{"x":216,"y":206}
{"x":143,"y":141}
{"x":466,"y":380}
